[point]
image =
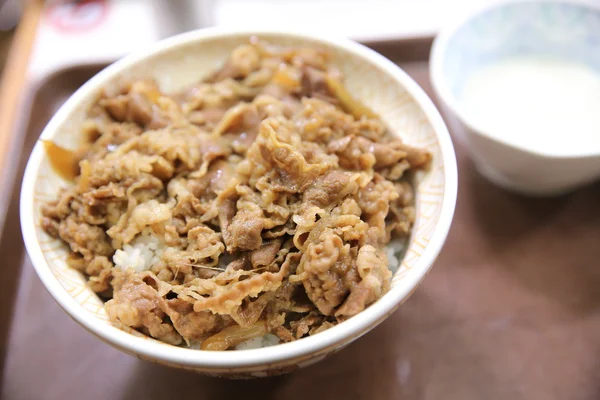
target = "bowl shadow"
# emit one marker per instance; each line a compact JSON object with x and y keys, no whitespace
{"x":548,"y":245}
{"x":395,"y":360}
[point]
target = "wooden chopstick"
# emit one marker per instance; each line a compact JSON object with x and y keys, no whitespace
{"x":14,"y":77}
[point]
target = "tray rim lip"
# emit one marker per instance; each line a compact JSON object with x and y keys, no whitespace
{"x":306,"y":348}
{"x":20,"y":131}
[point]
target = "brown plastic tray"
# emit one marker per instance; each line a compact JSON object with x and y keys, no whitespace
{"x":511,"y":309}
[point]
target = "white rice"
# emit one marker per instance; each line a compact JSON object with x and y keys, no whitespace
{"x":141,"y":253}
{"x":395,"y":249}
{"x":254,"y":343}
{"x":259,"y":342}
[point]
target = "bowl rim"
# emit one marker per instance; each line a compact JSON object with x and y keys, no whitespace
{"x":439,"y":82}
{"x":296,"y":350}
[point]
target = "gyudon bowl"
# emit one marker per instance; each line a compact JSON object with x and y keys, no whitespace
{"x":229,"y":198}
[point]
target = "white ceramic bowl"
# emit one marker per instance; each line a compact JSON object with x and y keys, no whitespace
{"x":183,"y":60}
{"x":564,"y":29}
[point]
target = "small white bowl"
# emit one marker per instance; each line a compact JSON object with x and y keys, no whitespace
{"x":183,"y":60}
{"x":565,"y":29}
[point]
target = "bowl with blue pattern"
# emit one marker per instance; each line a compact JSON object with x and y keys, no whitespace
{"x":556,"y":29}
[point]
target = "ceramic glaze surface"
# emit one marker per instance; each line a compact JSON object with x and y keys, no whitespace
{"x":547,"y":29}
{"x":565,"y":31}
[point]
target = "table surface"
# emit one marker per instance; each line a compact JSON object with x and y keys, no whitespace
{"x":5,"y":41}
{"x":511,"y":310}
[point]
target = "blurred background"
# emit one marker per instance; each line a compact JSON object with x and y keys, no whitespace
{"x":103,"y":30}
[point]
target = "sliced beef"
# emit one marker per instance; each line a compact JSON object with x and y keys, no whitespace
{"x":138,"y":305}
{"x":260,"y":199}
